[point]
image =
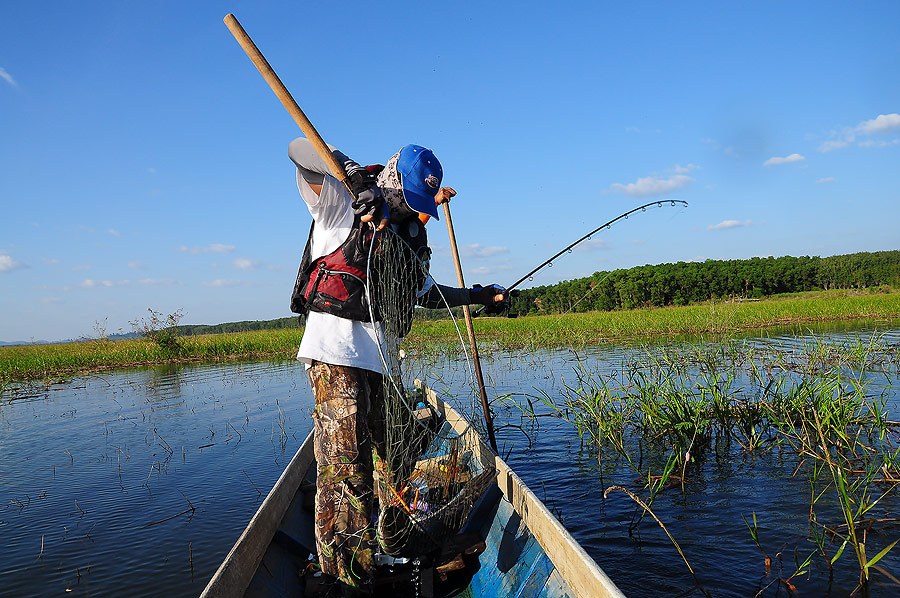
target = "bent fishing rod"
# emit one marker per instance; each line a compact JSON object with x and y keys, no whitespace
{"x":568,"y":248}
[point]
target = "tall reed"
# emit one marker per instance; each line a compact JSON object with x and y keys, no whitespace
{"x":811,"y":401}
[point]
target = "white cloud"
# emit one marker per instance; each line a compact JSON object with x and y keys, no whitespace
{"x":878,"y":143}
{"x":7,"y":77}
{"x":157,"y":282}
{"x":114,"y":232}
{"x":245,"y":263}
{"x":136,"y":265}
{"x":89,"y":283}
{"x":50,"y":260}
{"x":652,"y":185}
{"x":729,"y":224}
{"x":477,"y":250}
{"x":883,"y":123}
{"x":7,"y":263}
{"x":213,"y":248}
{"x":834,"y":144}
{"x":484,"y":270}
{"x":827,"y":179}
{"x":592,"y":245}
{"x":679,"y":169}
{"x":151,"y":170}
{"x":776,"y":160}
{"x":222,"y":283}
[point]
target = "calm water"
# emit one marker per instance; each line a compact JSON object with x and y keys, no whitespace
{"x":138,"y":482}
{"x":127,"y":447}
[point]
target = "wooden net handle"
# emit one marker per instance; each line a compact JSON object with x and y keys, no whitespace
{"x":284,"y":95}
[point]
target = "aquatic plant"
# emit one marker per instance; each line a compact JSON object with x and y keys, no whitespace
{"x":159,"y":328}
{"x":646,"y":509}
{"x":811,"y":401}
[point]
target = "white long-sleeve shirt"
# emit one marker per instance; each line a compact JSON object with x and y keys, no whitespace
{"x":328,"y":338}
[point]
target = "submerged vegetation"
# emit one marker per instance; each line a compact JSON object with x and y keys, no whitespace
{"x":54,"y":361}
{"x":738,"y":400}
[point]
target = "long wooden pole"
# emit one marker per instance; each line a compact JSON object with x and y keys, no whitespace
{"x":287,"y":100}
{"x":488,"y":418}
{"x":268,"y":73}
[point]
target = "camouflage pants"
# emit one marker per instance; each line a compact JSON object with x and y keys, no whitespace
{"x":349,"y":439}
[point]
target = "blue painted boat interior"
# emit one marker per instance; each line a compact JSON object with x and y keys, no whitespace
{"x":513,"y":563}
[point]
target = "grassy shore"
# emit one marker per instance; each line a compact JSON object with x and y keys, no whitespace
{"x":53,"y":362}
{"x":707,"y":318}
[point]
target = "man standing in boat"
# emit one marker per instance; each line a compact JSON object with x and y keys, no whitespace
{"x":341,"y":346}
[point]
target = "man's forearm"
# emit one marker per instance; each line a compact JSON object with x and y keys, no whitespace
{"x":439,"y":293}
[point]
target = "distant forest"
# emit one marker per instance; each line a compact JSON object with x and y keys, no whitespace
{"x":192,"y":329}
{"x":681,"y":283}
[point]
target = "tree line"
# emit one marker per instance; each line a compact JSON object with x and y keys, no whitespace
{"x":682,"y":283}
{"x":246,"y":326}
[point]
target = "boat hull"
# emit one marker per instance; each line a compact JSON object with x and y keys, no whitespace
{"x":526,"y":553}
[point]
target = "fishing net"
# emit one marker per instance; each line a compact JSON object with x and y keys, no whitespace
{"x":431,"y":472}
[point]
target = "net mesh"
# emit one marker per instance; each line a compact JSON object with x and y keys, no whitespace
{"x":431,"y":474}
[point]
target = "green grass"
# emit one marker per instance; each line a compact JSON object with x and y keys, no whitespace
{"x":49,"y":362}
{"x":720,"y":318}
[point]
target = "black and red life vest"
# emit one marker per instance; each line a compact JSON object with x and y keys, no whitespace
{"x":336,"y":283}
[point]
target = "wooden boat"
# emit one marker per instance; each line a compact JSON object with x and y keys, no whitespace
{"x":523,"y":551}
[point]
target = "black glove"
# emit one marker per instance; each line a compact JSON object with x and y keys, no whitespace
{"x":367,"y":197}
{"x":485,"y":296}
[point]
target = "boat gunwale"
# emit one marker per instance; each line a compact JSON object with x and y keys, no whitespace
{"x":583,"y":575}
{"x":233,"y":576}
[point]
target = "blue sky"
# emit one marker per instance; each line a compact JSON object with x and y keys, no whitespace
{"x":143,"y":160}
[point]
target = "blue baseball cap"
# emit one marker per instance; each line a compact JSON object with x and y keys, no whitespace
{"x":420,"y":175}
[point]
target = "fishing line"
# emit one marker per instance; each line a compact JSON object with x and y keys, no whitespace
{"x":568,"y":248}
{"x":610,"y":273}
{"x":587,"y":237}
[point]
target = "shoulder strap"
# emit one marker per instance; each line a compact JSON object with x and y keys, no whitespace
{"x":298,"y":306}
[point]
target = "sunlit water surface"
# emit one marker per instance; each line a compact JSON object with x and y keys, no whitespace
{"x":137,"y":483}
